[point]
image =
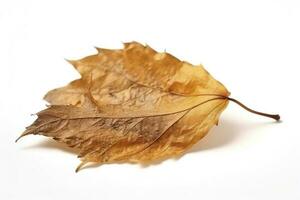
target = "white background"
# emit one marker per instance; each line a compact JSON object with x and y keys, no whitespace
{"x":253,"y":47}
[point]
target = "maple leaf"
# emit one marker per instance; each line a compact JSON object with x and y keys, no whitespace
{"x":133,"y":105}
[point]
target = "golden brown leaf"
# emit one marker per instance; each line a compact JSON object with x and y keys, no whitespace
{"x":132,"y":105}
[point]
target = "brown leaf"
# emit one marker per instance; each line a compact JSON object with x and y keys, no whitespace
{"x":132,"y":105}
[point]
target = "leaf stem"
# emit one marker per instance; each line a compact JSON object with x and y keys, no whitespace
{"x":275,"y":116}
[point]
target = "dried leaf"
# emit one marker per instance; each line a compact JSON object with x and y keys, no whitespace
{"x":132,"y":105}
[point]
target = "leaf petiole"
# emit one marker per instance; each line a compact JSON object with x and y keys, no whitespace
{"x":275,"y":116}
